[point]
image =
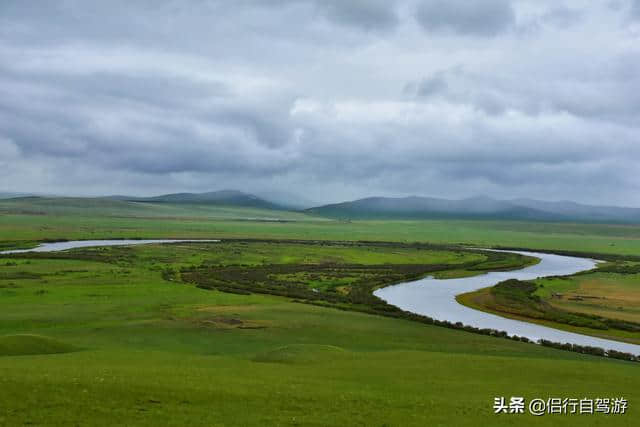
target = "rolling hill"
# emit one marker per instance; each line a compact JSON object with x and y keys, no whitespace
{"x":236,"y":204}
{"x":223,"y":197}
{"x":474,"y":208}
{"x":218,"y":205}
{"x":8,"y":195}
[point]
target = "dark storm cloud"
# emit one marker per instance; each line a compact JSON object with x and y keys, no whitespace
{"x":369,"y":15}
{"x":430,"y":86}
{"x":635,"y":8}
{"x":481,"y":18}
{"x":373,"y":15}
{"x":329,"y":100}
{"x":602,"y":93}
{"x":561,"y":16}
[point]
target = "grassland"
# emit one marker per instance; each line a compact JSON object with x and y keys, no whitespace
{"x":339,"y":273}
{"x":69,"y":206}
{"x":605,"y":294}
{"x":118,"y":336}
{"x":150,"y":351}
{"x":601,"y":304}
{"x":18,"y":230}
{"x":26,"y":221}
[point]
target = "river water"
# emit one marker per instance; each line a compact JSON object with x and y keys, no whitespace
{"x":436,"y":298}
{"x":73,"y":244}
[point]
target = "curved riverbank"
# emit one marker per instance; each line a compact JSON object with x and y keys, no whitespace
{"x":437,"y":299}
{"x":477,"y":299}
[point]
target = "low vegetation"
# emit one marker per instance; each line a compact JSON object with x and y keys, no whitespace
{"x":298,"y":346}
{"x":31,"y":220}
{"x":332,"y":277}
{"x":23,"y":345}
{"x":604,"y":302}
{"x":519,"y":297}
{"x":303,"y":353}
{"x":155,"y":351}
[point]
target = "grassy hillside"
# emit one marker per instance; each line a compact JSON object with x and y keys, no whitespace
{"x":23,"y":345}
{"x":475,"y":208}
{"x":108,"y":207}
{"x":220,"y":198}
{"x":429,"y":208}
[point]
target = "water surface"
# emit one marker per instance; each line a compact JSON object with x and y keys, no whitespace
{"x":73,"y":244}
{"x":436,"y":298}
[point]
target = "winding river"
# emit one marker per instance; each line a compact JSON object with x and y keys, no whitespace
{"x":436,"y":298}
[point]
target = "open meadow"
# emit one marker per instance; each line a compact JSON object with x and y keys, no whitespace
{"x":25,"y":221}
{"x":603,"y":303}
{"x":376,"y":213}
{"x":223,"y":333}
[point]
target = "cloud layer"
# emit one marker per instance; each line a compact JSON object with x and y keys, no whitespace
{"x":324,"y":100}
{"x":485,"y":18}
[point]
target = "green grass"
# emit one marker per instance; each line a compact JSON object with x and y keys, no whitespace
{"x":258,"y":253}
{"x":24,"y":222}
{"x":303,"y":353}
{"x":157,"y":352}
{"x":599,"y":304}
{"x":610,"y":295}
{"x":22,"y":345}
{"x":374,"y":388}
{"x":88,"y":207}
{"x":150,"y":370}
{"x":160,"y":352}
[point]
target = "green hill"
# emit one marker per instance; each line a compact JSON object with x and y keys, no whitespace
{"x":224,"y":197}
{"x":475,"y":208}
{"x":232,"y":208}
{"x":303,"y":353}
{"x":23,"y":345}
{"x":429,"y":208}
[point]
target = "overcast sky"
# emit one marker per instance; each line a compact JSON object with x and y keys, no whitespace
{"x":326,"y":100}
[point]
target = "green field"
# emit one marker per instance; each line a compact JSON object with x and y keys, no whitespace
{"x":603,"y":303}
{"x":119,"y":336}
{"x":605,"y":294}
{"x":25,"y":221}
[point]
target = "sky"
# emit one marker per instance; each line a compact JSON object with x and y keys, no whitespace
{"x":322,"y":100}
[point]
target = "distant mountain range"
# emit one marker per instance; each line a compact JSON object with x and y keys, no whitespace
{"x":5,"y":195}
{"x":474,"y":208}
{"x":396,"y":207}
{"x":223,"y":197}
